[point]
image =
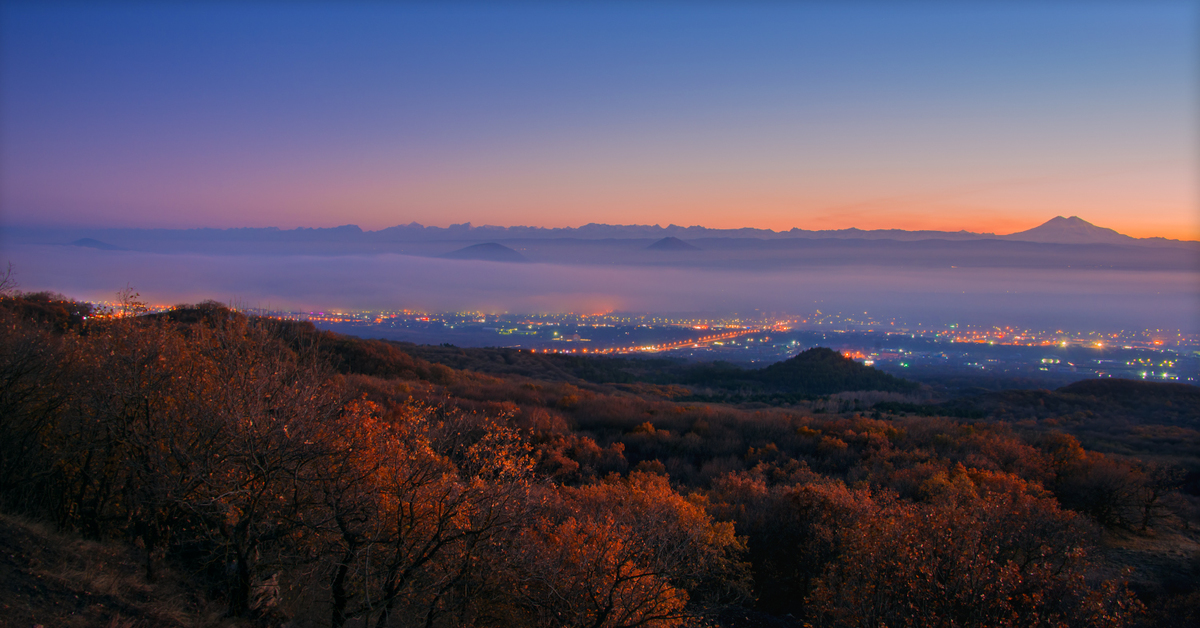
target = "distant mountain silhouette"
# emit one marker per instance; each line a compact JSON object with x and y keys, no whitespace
{"x":352,"y":239}
{"x":1073,"y":230}
{"x":487,"y":251}
{"x":96,"y":244}
{"x":671,"y":243}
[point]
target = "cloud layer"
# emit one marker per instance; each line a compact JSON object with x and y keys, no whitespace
{"x":1067,"y":299}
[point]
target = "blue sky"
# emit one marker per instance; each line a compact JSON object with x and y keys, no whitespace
{"x":984,"y":116}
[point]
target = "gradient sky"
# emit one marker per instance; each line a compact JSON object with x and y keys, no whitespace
{"x":937,"y":115}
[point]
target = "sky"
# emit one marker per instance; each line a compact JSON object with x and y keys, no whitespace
{"x":984,"y":116}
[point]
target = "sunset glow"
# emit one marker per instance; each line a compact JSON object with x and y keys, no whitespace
{"x":982,"y":117}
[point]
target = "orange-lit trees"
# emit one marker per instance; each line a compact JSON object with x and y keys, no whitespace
{"x":430,"y":500}
{"x":792,"y":531}
{"x":1000,"y":560}
{"x":347,"y":502}
{"x":275,"y":412}
{"x":624,"y":553}
{"x":209,"y":433}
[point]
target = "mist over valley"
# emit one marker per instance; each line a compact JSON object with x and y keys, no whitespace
{"x":1098,"y":284}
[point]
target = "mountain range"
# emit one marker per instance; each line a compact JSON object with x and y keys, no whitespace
{"x":1062,"y":243}
{"x":1073,"y":230}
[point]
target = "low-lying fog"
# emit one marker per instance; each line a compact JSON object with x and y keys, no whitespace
{"x":1069,"y":299}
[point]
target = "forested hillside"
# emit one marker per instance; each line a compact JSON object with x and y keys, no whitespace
{"x":306,"y":478}
{"x":813,"y":373}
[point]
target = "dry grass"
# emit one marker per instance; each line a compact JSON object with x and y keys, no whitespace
{"x":1162,"y":567}
{"x":50,"y":579}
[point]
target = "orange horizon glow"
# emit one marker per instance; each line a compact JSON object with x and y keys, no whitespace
{"x":976,"y":119}
{"x":996,"y":226}
{"x":985,"y":224}
{"x":1146,"y":203}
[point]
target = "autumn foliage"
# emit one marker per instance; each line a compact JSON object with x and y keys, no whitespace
{"x":322,"y":480}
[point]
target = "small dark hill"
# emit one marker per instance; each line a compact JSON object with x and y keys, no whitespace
{"x":822,"y":371}
{"x":208,"y":312}
{"x":92,"y":243}
{"x":488,"y":251}
{"x":672,"y":244}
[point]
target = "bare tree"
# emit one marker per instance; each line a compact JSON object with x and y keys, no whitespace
{"x":129,"y":302}
{"x":30,"y":405}
{"x":8,"y":283}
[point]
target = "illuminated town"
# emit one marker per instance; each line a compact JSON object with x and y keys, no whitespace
{"x":911,"y":349}
{"x":916,"y":350}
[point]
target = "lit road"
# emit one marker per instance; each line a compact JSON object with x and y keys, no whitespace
{"x":657,"y":348}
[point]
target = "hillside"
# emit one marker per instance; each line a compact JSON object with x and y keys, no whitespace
{"x":1102,"y":400}
{"x":1153,"y":421}
{"x":375,"y":473}
{"x":814,"y":373}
